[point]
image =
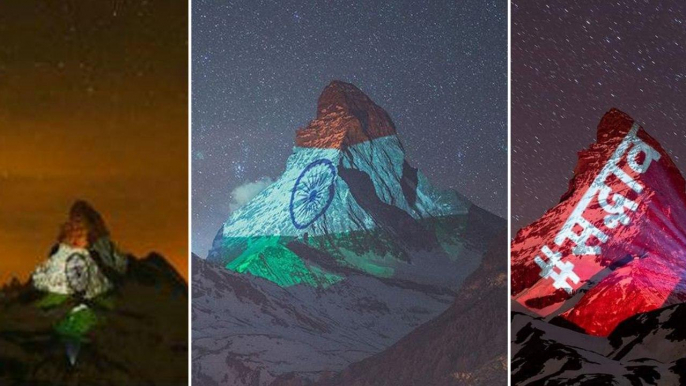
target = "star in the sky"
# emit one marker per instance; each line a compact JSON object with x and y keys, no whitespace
{"x":439,"y":68}
{"x":572,"y":62}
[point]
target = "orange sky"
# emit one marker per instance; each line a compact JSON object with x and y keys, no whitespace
{"x":93,"y":105}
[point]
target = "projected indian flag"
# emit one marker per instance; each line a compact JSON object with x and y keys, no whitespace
{"x":347,"y":196}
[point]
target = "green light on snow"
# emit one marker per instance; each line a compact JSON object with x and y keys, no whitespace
{"x":266,"y":257}
{"x":77,"y":324}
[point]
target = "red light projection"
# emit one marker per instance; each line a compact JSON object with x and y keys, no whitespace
{"x":615,"y":244}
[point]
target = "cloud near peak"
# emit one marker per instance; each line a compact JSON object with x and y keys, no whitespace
{"x":244,"y":193}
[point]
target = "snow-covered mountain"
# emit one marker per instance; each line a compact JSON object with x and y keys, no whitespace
{"x":615,"y":245}
{"x":350,"y":249}
{"x":250,"y":330}
{"x":603,"y":304}
{"x":348,"y":191}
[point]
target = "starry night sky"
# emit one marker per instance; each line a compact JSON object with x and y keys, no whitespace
{"x":93,"y":105}
{"x":439,"y":69}
{"x":573,"y":61}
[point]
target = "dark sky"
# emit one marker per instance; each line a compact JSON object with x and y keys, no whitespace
{"x":93,"y":105}
{"x":573,"y":61}
{"x":439,"y":68}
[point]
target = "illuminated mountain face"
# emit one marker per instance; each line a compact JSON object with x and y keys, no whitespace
{"x":615,"y":246}
{"x":71,"y":271}
{"x":348,"y":191}
{"x":349,"y":250}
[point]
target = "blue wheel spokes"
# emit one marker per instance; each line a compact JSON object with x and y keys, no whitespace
{"x":312,"y":193}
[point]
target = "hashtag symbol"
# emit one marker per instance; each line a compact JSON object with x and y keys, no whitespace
{"x":565,"y":270}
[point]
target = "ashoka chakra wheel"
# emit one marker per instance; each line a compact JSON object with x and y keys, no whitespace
{"x":77,"y":272}
{"x":312,"y":193}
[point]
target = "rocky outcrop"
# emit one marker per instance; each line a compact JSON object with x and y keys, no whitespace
{"x":345,"y":117}
{"x":84,"y":227}
{"x":645,"y":349}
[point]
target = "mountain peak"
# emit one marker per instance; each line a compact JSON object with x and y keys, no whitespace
{"x":345,"y":116}
{"x":84,"y":258}
{"x":84,"y":227}
{"x":614,"y":123}
{"x":342,"y":96}
{"x":616,"y":237}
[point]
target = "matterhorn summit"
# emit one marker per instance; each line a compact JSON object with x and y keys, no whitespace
{"x":349,"y":190}
{"x":82,"y":258}
{"x":615,"y":245}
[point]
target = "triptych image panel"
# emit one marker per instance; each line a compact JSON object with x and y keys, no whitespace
{"x":94,"y":193}
{"x":330,"y":247}
{"x":597,"y":199}
{"x":342,"y":193}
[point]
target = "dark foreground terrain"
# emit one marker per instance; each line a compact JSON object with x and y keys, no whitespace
{"x":140,"y":337}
